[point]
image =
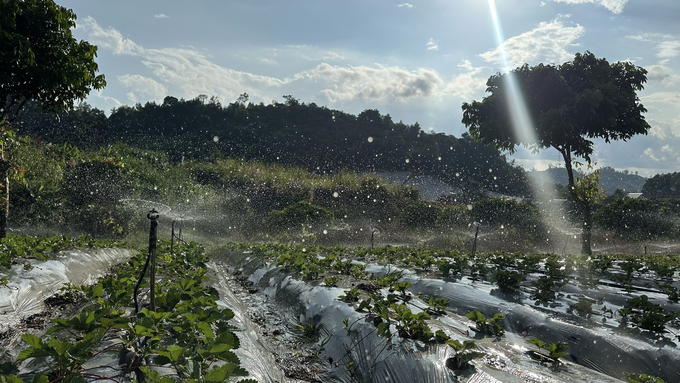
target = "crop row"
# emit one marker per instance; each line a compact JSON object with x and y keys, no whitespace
{"x":187,"y":332}
{"x":384,"y":298}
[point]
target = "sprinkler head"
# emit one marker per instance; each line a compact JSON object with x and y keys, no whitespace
{"x":153,"y":215}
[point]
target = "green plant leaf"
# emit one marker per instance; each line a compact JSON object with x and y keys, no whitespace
{"x":32,"y":340}
{"x":476,"y":316}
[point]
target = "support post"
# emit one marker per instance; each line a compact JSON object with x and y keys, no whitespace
{"x":153,"y":239}
{"x":474,"y":244}
{"x":172,"y":238}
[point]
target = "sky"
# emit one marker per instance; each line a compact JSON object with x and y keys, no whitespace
{"x":417,"y":61}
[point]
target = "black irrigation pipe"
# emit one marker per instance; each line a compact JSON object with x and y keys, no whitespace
{"x":139,"y":282}
{"x":153,"y":216}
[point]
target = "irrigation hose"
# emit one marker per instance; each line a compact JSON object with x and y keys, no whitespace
{"x":139,"y":282}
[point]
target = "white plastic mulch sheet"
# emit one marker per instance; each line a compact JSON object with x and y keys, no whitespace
{"x":28,"y":287}
{"x":594,"y":348}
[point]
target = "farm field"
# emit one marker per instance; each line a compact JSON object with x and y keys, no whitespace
{"x":422,"y":314}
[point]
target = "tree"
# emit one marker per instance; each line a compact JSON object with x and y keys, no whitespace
{"x":662,"y":186}
{"x":40,"y":61}
{"x":569,"y":105}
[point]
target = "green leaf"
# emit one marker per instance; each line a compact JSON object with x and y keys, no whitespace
{"x":61,"y":348}
{"x":32,"y":340}
{"x":10,"y":379}
{"x":217,"y":375}
{"x":8,"y":368}
{"x":40,"y":378}
{"x":174,"y":353}
{"x":97,"y":291}
{"x":539,"y":343}
{"x":476,"y":316}
{"x":207,"y":330}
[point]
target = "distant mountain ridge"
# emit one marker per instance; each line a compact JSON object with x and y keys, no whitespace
{"x":610,"y":179}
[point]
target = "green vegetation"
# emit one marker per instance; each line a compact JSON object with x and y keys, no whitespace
{"x":642,"y":378}
{"x":54,"y":71}
{"x":188,"y":332}
{"x":18,"y":248}
{"x":464,"y":353}
{"x":491,"y":326}
{"x":566,"y":117}
{"x":313,"y":138}
{"x":554,"y":350}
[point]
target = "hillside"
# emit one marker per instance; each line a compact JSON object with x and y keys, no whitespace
{"x":610,"y":179}
{"x":319,"y":139}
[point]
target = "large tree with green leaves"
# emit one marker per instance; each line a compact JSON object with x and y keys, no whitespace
{"x":41,"y":61}
{"x":569,"y":105}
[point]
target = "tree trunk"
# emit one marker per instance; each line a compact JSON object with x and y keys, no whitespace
{"x":584,"y":209}
{"x":4,"y":194}
{"x":586,"y":232}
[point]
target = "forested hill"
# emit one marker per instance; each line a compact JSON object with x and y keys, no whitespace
{"x":294,"y":133}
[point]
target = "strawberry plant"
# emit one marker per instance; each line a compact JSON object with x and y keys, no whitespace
{"x":544,"y":289}
{"x":554,"y":350}
{"x":642,"y":378}
{"x":491,"y":326}
{"x":646,"y":315}
{"x":464,"y":353}
{"x":507,"y":280}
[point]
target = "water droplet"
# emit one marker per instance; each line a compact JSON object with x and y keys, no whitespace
{"x":370,"y":139}
{"x":407,"y":160}
{"x":336,"y":195}
{"x":215,"y":139}
{"x":325,"y":231}
{"x":439,"y":158}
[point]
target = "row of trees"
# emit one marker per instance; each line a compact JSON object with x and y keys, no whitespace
{"x":316,"y":138}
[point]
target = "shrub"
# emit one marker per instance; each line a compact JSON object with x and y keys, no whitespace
{"x":453,"y":216}
{"x":92,"y":191}
{"x":508,"y":213}
{"x":636,"y":219}
{"x":297,"y":215}
{"x":419,"y":215}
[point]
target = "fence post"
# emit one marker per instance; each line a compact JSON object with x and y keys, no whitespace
{"x":153,"y":239}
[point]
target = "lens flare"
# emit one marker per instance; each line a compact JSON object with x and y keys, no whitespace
{"x":521,"y":121}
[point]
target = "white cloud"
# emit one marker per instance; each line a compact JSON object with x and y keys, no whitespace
{"x":161,"y":16}
{"x":368,"y":83}
{"x":615,"y":6}
{"x":668,"y":49}
{"x":664,"y":154}
{"x":662,"y":74}
{"x":672,"y":98}
{"x":667,"y":46}
{"x":109,"y":101}
{"x":467,"y":85}
{"x":268,"y":61}
{"x":432,"y":45}
{"x":192,"y":73}
{"x":110,"y":39}
{"x":547,"y":42}
{"x":308,"y":52}
{"x":405,"y":5}
{"x":144,"y":85}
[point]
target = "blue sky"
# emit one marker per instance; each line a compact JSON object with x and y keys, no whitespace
{"x":417,"y":60}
